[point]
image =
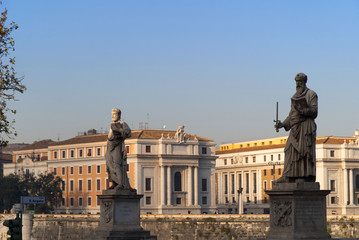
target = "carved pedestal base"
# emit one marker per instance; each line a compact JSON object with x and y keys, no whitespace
{"x":297,"y":211}
{"x":120,"y":216}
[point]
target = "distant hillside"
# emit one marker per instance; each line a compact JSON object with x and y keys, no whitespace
{"x":13,"y":147}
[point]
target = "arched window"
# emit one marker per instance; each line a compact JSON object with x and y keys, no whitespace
{"x":178,"y":181}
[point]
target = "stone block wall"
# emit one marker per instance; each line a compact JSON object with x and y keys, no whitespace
{"x":177,"y":227}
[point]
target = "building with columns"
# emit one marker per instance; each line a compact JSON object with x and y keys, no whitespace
{"x":174,"y":170}
{"x":254,"y":165}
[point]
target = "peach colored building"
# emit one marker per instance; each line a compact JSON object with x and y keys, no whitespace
{"x":174,"y":173}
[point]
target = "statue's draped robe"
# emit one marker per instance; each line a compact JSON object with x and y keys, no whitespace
{"x":300,"y":148}
{"x":116,"y":155}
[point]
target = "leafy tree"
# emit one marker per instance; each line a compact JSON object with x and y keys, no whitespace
{"x":9,"y":82}
{"x":12,"y":187}
{"x":10,"y":192}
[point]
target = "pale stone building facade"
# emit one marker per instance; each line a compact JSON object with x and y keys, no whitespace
{"x":173,"y":170}
{"x":250,"y":165}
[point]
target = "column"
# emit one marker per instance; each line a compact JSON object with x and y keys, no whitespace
{"x":196,"y":186}
{"x":190,"y":186}
{"x":212,"y":189}
{"x":345,"y":186}
{"x":351,"y":187}
{"x":169,"y":186}
{"x":163,"y":190}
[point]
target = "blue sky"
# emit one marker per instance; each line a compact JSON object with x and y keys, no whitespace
{"x":217,"y":67}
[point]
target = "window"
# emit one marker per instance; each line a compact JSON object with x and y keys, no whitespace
{"x":279,"y":171}
{"x":98,"y":201}
{"x":248,"y":200}
{"x":247,"y":182}
{"x":262,"y":143}
{"x":72,"y":154}
{"x":98,"y":185}
{"x":254,"y":182}
{"x":63,"y":154}
{"x":255,"y":144}
{"x":89,"y":201}
{"x":254,"y":159}
{"x":89,"y":168}
{"x":71,"y":170}
{"x":248,"y":145}
{"x":272,"y":172}
{"x":63,"y":202}
{"x":80,"y":185}
{"x":55,"y":171}
{"x":80,"y":170}
{"x":265,"y":172}
{"x":270,"y":142}
{"x":204,"y":200}
{"x":265,"y":185}
{"x":332,"y":185}
{"x":204,"y":150}
{"x":246,"y":159}
{"x":278,"y":157}
{"x":357,"y":182}
{"x":332,"y":153}
{"x":178,"y":181}
{"x":89,"y":185}
{"x":333,"y":200}
{"x":255,"y":200}
{"x":225,"y":161}
{"x":232,"y":183}
{"x":148,"y":149}
{"x":63,"y":186}
{"x":98,"y":169}
{"x":27,"y":171}
{"x":225,"y":184}
{"x":80,"y":153}
{"x":89,"y":152}
{"x":71,"y":201}
{"x":127,"y":149}
{"x":98,"y":151}
{"x":239,"y":180}
{"x":233,"y":199}
{"x":71,"y":185}
{"x":148,"y":200}
{"x":80,"y":201}
{"x":178,"y":201}
{"x":204,"y":184}
{"x":55,"y":154}
{"x":265,"y":158}
{"x":271,"y":157}
{"x":231,"y":160}
{"x":148,"y":184}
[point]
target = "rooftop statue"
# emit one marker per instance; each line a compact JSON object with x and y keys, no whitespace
{"x":116,"y":155}
{"x":299,"y":163}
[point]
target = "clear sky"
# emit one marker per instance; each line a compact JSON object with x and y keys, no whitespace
{"x":217,"y":67}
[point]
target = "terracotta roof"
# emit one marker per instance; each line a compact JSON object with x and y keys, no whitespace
{"x":37,"y":145}
{"x":157,"y":134}
{"x":83,"y":139}
{"x":321,"y":140}
{"x":136,"y":134}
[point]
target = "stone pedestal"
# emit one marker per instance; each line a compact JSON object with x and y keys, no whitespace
{"x":120,"y":216}
{"x":297,"y":211}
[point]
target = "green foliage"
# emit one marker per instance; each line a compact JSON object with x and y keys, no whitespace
{"x":9,"y":82}
{"x":10,"y":192}
{"x":12,"y":187}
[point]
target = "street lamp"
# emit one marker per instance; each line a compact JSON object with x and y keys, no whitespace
{"x":273,"y":163}
{"x":240,"y":201}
